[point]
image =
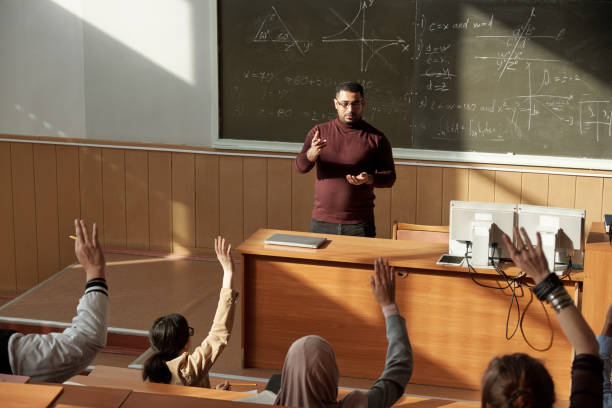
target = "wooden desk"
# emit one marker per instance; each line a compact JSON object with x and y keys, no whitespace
{"x":28,"y":395}
{"x":140,"y":399}
{"x":126,"y":378}
{"x":94,"y":397}
{"x":455,"y":326}
{"x":597,"y":277}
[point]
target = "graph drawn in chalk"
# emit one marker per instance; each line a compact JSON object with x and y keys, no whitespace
{"x":274,"y":30}
{"x":355,"y":31}
{"x":516,"y":44}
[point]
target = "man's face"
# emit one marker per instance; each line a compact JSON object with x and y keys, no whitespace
{"x":349,"y":106}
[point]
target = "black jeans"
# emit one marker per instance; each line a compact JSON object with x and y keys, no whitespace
{"x":363,"y":229}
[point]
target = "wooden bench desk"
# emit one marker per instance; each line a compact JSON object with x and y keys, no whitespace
{"x":455,"y":326}
{"x":126,"y":378}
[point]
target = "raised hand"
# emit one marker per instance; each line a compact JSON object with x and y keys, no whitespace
{"x":315,"y":147}
{"x":88,"y":250}
{"x":359,"y":179}
{"x":531,"y":260}
{"x":223,"y":248}
{"x":383,"y":282}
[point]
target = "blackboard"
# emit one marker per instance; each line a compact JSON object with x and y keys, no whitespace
{"x":520,"y":76}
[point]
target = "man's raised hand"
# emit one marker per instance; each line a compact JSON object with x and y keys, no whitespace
{"x":315,"y":147}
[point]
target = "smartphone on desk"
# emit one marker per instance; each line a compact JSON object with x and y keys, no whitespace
{"x":451,"y":260}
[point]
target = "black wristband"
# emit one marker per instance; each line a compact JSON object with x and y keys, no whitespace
{"x":549,"y":284}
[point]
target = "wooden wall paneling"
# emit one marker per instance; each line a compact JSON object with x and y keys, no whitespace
{"x":92,"y":204}
{"x":589,"y":191}
{"x":137,"y":199}
{"x":183,"y":202}
{"x":256,"y":184}
{"x":207,"y":200}
{"x":535,"y":189}
{"x":455,"y":186}
{"x":403,"y":195}
{"x":8,"y":277}
{"x":24,"y":215}
{"x":382,"y":212}
{"x":279,"y":193}
{"x":429,"y":196}
{"x":160,"y":201}
{"x":231,"y":204}
{"x":481,"y":186}
{"x":561,"y":191}
{"x":47,"y":232}
{"x":68,"y":200}
{"x":302,"y":198}
{"x":606,"y":206}
{"x":508,"y":187}
{"x":113,"y":191}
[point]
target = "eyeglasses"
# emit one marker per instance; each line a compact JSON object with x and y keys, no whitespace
{"x":191,"y":331}
{"x":353,"y":105}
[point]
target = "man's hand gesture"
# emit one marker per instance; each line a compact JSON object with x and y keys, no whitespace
{"x":315,"y":147}
{"x":383,"y":282}
{"x":88,"y":250}
{"x":359,"y":179}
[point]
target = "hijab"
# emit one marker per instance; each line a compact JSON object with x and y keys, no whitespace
{"x":310,"y":377}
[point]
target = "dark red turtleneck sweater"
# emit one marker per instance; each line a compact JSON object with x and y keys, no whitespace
{"x":350,"y":149}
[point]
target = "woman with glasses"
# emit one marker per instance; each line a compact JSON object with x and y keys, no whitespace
{"x":170,"y":337}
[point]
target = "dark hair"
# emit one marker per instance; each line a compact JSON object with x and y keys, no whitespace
{"x":350,"y":86}
{"x":168,"y":336}
{"x":517,"y":381}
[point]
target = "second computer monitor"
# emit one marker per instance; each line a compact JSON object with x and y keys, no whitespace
{"x":561,"y":229}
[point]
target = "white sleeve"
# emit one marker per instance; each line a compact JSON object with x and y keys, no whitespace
{"x":56,"y":357}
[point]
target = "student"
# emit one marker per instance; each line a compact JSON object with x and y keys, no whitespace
{"x":310,"y":375}
{"x":55,"y":357}
{"x":605,"y":353}
{"x":170,"y":337}
{"x":518,"y":380}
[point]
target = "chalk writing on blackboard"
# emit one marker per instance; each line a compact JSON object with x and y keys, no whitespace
{"x":273,"y":29}
{"x":355,"y":31}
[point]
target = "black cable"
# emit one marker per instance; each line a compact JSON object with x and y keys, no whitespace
{"x":514,"y":283}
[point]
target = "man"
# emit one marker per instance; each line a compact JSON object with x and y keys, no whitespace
{"x":352,"y":158}
{"x":56,"y":357}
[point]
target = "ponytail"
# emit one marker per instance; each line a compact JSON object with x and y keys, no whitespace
{"x":168,"y":336}
{"x":156,"y":370}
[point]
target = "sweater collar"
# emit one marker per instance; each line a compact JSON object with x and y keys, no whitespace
{"x":347,"y":126}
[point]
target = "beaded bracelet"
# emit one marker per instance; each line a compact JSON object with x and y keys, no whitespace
{"x":548,"y":285}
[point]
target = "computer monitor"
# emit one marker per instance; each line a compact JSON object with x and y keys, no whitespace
{"x":477,"y":228}
{"x":562,"y":231}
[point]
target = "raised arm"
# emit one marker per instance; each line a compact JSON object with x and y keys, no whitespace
{"x":56,"y":357}
{"x":205,"y":355}
{"x":549,"y":288}
{"x":398,"y":365}
{"x":605,"y":353}
{"x":310,"y":152}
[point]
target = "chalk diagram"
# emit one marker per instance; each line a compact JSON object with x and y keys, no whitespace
{"x":355,"y":31}
{"x":593,"y":115}
{"x":274,"y":30}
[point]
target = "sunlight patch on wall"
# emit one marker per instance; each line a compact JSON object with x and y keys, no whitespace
{"x":160,"y":30}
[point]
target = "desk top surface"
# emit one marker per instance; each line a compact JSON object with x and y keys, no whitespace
{"x":360,"y":250}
